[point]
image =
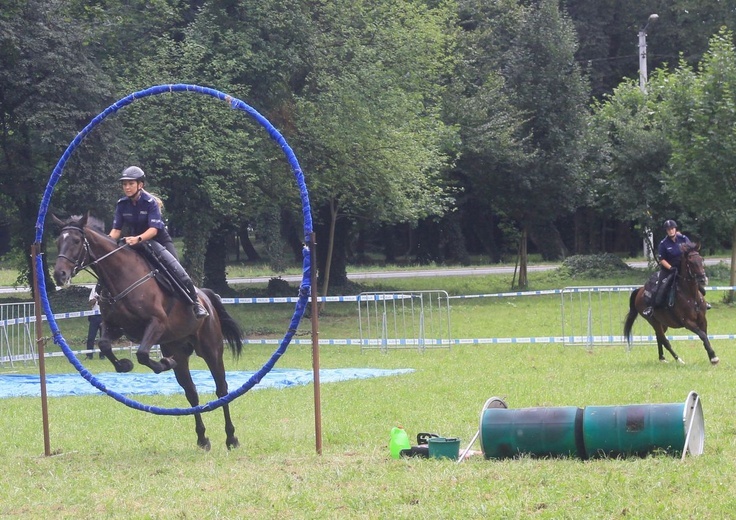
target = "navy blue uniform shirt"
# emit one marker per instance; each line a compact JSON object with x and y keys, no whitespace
{"x":138,"y":217}
{"x":670,"y":250}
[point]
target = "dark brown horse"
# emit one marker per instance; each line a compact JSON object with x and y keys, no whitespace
{"x":688,"y":310}
{"x":133,"y":304}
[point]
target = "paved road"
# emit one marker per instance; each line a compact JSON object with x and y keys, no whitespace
{"x":448,"y":271}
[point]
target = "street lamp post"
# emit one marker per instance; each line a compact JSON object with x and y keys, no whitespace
{"x":643,"y":52}
{"x":648,"y":253}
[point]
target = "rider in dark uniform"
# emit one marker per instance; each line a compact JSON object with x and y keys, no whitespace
{"x":670,"y":254}
{"x":140,"y":212}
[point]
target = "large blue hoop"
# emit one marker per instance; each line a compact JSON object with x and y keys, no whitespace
{"x":304,"y":289}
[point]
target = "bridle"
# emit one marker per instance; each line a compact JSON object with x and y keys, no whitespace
{"x":81,"y":264}
{"x":690,"y":275}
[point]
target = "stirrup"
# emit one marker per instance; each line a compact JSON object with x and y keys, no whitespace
{"x":199,"y":311}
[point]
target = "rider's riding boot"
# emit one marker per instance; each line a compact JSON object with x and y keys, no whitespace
{"x":199,"y":311}
{"x":647,"y":312}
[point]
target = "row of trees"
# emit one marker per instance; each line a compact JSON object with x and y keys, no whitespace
{"x":476,"y":125}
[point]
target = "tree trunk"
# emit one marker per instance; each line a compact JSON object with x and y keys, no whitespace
{"x":292,"y":233}
{"x":247,"y":245}
{"x":523,"y":259}
{"x":729,"y":295}
{"x":215,"y":262}
{"x":330,"y":248}
{"x":578,"y":233}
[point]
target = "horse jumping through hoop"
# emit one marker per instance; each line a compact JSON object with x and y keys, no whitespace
{"x":688,"y":310}
{"x":133,"y":304}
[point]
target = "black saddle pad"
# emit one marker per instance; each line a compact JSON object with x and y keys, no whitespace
{"x":650,"y":288}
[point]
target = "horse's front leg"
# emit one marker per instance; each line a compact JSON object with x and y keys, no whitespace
{"x":154,"y":331}
{"x":706,"y":343}
{"x":184,"y":378}
{"x":110,"y":334}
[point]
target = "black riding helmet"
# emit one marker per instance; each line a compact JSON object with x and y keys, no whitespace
{"x":133,"y":173}
{"x":669,"y":224}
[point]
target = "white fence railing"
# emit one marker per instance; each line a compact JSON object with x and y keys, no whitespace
{"x":414,"y":319}
{"x":591,"y":316}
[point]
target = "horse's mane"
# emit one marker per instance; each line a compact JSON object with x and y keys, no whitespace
{"x":690,"y":246}
{"x":96,"y":224}
{"x":92,"y":221}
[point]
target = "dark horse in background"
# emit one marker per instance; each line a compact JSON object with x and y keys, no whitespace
{"x":132,"y":303}
{"x":688,"y":310}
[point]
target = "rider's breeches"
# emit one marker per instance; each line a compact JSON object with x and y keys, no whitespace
{"x":172,"y":265}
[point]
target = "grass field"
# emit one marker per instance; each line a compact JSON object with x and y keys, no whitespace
{"x":114,"y":462}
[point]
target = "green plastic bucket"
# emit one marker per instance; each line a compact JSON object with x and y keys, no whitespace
{"x":444,"y":448}
{"x":619,"y":431}
{"x":539,"y":432}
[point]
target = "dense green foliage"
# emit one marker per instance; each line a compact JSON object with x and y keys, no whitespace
{"x":594,"y":266}
{"x":431,"y":129}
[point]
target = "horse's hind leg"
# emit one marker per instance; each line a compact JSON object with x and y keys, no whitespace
{"x":184,"y":378}
{"x":231,"y":440}
{"x":663,"y":341}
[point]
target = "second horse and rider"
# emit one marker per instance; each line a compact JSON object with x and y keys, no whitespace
{"x":659,"y":290}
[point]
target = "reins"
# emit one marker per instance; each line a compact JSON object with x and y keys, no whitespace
{"x":690,"y":277}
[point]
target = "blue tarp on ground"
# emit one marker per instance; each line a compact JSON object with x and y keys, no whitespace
{"x":134,"y":383}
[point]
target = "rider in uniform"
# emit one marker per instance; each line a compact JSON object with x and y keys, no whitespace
{"x":140,"y":212}
{"x":670,"y":254}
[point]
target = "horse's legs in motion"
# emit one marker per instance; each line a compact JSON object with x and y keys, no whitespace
{"x":109,"y":334}
{"x":150,"y":336}
{"x":212,"y":353}
{"x":184,"y":378}
{"x":706,"y":343}
{"x":662,"y":341}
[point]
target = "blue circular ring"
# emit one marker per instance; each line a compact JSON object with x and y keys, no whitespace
{"x":304,"y":290}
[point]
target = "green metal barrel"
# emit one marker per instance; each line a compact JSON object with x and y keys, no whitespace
{"x":538,"y":432}
{"x":619,"y":431}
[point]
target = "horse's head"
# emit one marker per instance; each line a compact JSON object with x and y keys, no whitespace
{"x":72,"y":246}
{"x":694,"y":266}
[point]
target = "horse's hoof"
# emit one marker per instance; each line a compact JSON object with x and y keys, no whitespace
{"x":204,"y":444}
{"x":714,"y":360}
{"x":679,"y":360}
{"x":233,"y":443}
{"x":123,"y":365}
{"x":662,"y":360}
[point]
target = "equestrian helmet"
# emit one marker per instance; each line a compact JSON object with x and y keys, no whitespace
{"x":133,"y":173}
{"x":669,"y":224}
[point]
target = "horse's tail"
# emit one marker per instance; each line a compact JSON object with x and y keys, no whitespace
{"x":631,"y":316}
{"x":231,"y":331}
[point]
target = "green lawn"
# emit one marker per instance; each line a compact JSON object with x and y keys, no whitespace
{"x":113,"y":462}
